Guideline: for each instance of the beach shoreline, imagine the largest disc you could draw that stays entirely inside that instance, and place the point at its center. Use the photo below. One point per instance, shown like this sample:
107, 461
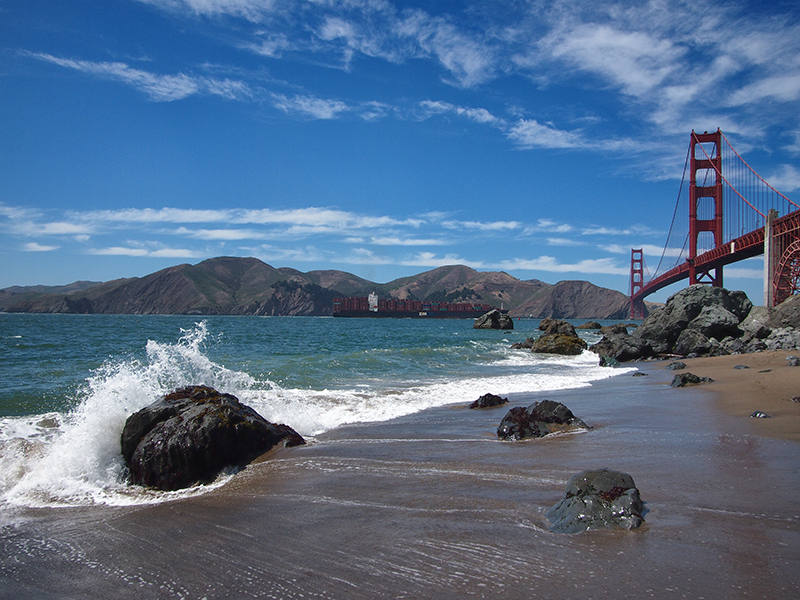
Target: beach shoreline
767, 385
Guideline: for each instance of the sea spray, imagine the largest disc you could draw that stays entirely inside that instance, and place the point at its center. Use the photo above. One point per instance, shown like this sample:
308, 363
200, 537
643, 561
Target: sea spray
81, 462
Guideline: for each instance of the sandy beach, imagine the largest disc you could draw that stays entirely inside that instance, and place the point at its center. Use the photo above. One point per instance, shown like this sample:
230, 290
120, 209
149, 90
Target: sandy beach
767, 385
432, 505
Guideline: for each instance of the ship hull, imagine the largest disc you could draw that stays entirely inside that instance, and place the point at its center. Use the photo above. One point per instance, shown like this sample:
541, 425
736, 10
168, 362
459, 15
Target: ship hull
408, 314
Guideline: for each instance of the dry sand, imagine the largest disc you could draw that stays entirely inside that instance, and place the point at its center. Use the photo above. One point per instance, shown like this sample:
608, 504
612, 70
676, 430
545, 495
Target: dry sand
767, 385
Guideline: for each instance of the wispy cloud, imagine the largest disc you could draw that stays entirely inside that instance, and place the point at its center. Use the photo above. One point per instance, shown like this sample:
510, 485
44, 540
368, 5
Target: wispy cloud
160, 88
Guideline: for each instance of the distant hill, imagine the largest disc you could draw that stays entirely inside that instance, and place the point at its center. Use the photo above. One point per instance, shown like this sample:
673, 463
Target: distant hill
248, 286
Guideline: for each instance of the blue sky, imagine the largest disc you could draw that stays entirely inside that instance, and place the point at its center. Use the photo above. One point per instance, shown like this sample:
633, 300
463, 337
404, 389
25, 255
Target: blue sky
544, 139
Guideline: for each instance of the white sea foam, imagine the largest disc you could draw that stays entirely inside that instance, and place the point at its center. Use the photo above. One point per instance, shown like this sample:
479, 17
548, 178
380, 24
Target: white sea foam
74, 458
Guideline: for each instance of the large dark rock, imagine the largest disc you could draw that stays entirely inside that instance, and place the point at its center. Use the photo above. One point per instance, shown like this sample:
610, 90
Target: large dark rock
557, 343
600, 499
622, 346
494, 319
684, 379
558, 337
192, 434
716, 310
551, 326
538, 420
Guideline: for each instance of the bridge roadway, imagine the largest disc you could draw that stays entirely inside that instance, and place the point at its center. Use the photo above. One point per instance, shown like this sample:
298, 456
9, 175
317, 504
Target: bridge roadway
749, 245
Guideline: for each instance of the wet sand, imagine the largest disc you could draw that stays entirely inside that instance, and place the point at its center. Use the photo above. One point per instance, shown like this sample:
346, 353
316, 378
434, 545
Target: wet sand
434, 506
767, 385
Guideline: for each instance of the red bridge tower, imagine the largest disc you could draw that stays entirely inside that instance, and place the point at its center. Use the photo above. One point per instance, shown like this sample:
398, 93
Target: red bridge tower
705, 197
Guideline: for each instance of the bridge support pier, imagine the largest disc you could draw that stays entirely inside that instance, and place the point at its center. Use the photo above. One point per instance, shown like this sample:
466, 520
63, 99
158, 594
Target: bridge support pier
769, 259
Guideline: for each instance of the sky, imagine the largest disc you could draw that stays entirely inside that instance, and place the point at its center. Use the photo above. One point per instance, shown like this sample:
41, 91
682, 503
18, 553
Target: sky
378, 137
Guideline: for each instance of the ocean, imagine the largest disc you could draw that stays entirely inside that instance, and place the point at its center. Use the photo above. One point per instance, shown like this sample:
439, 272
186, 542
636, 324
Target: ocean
401, 491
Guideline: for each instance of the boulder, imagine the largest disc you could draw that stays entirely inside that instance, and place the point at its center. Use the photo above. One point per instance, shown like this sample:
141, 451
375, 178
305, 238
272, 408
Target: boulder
622, 346
663, 326
617, 329
193, 434
538, 420
494, 319
787, 314
678, 365
692, 343
684, 379
552, 326
590, 325
488, 401
598, 499
757, 323
557, 343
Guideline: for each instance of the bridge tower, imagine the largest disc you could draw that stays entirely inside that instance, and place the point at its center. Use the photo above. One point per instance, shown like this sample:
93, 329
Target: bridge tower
710, 196
637, 282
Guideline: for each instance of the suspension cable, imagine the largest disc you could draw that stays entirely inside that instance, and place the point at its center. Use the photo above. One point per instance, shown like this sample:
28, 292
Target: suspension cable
675, 212
756, 174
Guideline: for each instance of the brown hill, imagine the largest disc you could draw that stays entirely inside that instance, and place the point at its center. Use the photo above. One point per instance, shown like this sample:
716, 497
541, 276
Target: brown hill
575, 300
248, 286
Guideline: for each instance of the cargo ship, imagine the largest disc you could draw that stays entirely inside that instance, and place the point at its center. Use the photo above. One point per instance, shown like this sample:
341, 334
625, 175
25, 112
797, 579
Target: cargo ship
372, 306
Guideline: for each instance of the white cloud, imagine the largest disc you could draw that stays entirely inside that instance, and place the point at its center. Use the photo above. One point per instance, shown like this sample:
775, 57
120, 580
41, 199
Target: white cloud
483, 226
397, 241
143, 252
429, 259
34, 247
602, 266
786, 179
316, 108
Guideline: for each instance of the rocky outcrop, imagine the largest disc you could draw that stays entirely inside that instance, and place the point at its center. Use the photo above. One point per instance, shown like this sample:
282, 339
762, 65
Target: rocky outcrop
494, 319
192, 435
599, 499
701, 320
538, 420
558, 343
489, 401
558, 337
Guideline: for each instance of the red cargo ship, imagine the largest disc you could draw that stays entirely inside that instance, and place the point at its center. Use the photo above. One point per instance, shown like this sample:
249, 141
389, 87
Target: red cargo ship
371, 306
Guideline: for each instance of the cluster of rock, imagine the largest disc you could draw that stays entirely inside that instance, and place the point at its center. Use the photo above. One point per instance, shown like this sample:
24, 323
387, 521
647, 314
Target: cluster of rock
558, 337
193, 434
701, 320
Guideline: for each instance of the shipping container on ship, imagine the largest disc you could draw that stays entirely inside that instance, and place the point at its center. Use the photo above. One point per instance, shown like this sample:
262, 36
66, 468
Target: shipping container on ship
372, 306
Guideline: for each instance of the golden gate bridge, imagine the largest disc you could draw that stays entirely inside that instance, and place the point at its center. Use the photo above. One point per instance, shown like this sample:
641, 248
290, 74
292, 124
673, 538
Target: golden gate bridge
734, 214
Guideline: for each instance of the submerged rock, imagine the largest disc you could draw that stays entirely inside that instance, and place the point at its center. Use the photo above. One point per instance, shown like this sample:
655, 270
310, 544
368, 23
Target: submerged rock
193, 434
494, 319
488, 401
599, 499
538, 420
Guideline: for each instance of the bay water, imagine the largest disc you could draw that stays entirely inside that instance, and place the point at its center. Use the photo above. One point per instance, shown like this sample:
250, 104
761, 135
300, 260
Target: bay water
401, 491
